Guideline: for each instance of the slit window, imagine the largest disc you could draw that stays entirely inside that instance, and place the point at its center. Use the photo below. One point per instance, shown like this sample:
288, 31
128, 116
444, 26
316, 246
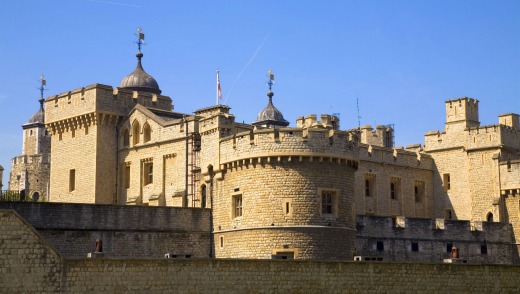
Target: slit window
72, 180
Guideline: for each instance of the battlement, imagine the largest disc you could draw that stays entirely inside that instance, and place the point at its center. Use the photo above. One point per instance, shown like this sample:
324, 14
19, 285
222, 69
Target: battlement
382, 136
34, 159
395, 156
292, 144
436, 229
310, 121
100, 98
475, 137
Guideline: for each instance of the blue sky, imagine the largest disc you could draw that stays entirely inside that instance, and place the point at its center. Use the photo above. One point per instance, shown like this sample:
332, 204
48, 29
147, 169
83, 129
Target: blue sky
401, 59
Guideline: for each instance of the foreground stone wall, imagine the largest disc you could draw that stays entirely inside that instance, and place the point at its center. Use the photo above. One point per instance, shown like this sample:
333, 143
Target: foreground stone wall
426, 240
27, 262
126, 231
30, 265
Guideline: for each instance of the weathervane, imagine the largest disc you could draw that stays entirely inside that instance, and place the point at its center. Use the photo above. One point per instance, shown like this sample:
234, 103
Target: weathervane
43, 83
271, 79
140, 38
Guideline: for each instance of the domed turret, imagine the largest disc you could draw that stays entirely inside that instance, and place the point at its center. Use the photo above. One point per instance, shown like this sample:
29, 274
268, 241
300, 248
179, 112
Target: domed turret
38, 117
139, 80
270, 116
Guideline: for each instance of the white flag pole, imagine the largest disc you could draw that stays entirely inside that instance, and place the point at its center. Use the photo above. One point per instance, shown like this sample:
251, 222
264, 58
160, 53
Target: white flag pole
218, 81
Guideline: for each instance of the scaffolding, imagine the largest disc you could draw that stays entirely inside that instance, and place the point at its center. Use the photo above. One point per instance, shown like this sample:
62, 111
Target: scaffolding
193, 168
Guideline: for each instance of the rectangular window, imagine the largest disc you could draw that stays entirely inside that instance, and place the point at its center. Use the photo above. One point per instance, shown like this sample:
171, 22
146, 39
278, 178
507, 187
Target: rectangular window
221, 242
72, 180
415, 247
418, 191
449, 246
395, 188
370, 185
127, 177
446, 181
380, 246
148, 173
326, 202
329, 201
237, 206
447, 214
483, 249
283, 255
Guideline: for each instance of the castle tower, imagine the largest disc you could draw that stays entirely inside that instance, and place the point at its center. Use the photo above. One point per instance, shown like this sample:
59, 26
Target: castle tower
285, 193
30, 171
509, 119
84, 127
461, 113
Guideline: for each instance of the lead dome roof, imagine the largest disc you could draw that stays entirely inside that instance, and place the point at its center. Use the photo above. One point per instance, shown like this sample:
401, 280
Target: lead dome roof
139, 80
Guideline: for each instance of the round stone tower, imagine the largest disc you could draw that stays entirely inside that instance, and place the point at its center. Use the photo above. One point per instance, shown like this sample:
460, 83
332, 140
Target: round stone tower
286, 193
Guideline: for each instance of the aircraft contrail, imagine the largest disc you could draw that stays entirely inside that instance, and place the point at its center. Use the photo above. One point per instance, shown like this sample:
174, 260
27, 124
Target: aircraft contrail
116, 3
245, 67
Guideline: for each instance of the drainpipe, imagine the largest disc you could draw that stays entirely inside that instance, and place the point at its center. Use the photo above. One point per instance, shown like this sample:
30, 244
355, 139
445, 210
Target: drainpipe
185, 204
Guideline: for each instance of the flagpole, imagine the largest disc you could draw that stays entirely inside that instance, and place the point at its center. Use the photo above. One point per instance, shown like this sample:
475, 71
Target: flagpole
218, 81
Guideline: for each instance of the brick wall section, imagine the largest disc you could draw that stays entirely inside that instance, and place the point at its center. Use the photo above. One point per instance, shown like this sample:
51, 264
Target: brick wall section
433, 237
126, 231
27, 262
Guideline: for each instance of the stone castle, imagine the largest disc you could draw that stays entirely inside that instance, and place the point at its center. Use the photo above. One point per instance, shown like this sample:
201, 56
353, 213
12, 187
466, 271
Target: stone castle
312, 191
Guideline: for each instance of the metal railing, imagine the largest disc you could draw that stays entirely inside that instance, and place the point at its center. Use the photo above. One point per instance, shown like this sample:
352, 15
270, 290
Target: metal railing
16, 196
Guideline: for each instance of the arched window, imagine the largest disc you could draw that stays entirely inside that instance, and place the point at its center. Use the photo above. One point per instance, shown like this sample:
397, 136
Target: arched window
135, 132
203, 196
489, 217
147, 133
126, 138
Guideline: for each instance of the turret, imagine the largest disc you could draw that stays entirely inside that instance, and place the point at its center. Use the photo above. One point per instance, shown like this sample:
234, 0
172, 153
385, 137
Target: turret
462, 112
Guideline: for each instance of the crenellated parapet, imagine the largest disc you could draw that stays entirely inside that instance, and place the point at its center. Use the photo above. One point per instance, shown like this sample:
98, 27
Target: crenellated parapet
397, 156
77, 107
479, 137
382, 136
30, 159
311, 121
291, 145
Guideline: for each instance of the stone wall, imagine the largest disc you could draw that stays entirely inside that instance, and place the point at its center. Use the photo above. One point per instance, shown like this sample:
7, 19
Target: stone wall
478, 242
402, 170
29, 265
30, 172
126, 231
27, 262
